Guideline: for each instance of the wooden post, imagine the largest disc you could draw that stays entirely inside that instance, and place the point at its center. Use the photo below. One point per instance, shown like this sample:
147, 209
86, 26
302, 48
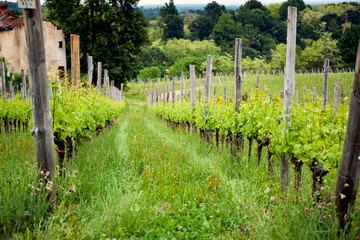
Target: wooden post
75, 60
257, 81
3, 83
23, 89
325, 81
122, 93
306, 93
181, 89
90, 69
173, 91
314, 94
225, 96
11, 87
105, 81
238, 79
289, 85
99, 73
349, 169
43, 130
193, 92
168, 90
336, 97
208, 81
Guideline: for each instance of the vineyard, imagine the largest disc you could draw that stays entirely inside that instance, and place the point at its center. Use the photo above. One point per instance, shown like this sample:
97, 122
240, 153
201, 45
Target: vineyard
218, 155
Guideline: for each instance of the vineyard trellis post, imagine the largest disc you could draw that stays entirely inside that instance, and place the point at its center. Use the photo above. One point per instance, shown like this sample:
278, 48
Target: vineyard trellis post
23, 88
43, 130
289, 85
75, 60
349, 168
105, 81
99, 72
326, 81
173, 91
3, 83
238, 79
193, 92
208, 82
90, 69
181, 89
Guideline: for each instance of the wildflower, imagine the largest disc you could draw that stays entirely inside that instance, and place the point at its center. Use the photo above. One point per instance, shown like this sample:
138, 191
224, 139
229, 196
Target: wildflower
272, 198
346, 185
25, 213
306, 209
320, 207
324, 217
235, 226
265, 210
342, 196
357, 238
323, 203
219, 186
211, 216
19, 221
328, 200
242, 228
267, 190
166, 203
311, 209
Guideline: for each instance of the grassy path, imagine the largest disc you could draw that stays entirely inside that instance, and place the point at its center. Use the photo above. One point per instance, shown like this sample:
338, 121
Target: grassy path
143, 179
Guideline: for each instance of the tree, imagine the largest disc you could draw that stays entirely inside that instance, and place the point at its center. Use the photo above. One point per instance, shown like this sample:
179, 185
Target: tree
150, 72
172, 23
225, 32
348, 45
202, 27
113, 32
283, 10
324, 48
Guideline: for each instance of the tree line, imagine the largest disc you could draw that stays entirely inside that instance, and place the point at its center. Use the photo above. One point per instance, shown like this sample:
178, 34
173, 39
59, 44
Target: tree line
323, 31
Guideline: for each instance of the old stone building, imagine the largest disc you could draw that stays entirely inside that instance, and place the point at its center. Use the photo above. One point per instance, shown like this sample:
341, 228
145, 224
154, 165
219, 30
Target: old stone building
13, 43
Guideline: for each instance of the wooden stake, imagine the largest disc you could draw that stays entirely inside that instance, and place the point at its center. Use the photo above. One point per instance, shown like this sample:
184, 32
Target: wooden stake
3, 83
23, 88
193, 92
325, 81
75, 60
349, 169
289, 85
173, 91
208, 81
181, 89
90, 69
99, 73
42, 131
336, 97
238, 79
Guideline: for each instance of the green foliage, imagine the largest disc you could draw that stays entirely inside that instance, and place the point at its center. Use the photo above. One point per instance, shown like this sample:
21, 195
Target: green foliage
283, 10
202, 27
118, 27
172, 23
184, 48
325, 48
348, 45
150, 72
225, 32
182, 65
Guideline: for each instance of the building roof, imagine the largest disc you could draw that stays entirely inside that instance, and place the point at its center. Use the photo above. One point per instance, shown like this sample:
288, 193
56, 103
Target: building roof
9, 21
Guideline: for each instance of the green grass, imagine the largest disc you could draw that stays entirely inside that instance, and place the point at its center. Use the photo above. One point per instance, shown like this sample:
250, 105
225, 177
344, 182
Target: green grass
145, 180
